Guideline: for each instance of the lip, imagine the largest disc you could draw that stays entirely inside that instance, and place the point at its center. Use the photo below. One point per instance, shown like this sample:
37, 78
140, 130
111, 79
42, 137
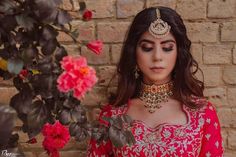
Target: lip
156, 69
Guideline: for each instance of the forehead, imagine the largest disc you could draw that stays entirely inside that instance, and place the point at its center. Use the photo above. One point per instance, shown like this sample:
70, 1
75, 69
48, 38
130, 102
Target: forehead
148, 36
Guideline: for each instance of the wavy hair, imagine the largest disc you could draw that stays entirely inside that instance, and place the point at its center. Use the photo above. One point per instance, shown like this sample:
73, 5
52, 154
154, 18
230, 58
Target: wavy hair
186, 85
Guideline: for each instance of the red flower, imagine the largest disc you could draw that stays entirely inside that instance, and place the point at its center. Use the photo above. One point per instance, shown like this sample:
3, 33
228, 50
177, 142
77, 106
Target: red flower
56, 137
23, 74
96, 46
87, 15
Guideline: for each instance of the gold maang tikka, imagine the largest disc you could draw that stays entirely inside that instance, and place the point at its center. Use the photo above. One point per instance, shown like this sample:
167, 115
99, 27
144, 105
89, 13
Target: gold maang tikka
154, 95
159, 28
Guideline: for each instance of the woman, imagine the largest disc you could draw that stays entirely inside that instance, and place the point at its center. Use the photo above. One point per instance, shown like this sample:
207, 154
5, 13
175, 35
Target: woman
158, 90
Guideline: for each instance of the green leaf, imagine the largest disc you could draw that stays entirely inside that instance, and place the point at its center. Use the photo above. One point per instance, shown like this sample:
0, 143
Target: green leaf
25, 21
130, 137
126, 118
119, 132
21, 103
37, 117
117, 138
18, 83
7, 118
60, 52
13, 143
63, 17
49, 32
8, 23
12, 39
108, 119
15, 65
118, 122
49, 47
75, 33
65, 117
46, 10
45, 68
21, 37
81, 134
73, 128
79, 115
68, 104
7, 6
29, 54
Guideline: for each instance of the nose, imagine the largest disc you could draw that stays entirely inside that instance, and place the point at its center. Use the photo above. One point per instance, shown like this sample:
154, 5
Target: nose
157, 54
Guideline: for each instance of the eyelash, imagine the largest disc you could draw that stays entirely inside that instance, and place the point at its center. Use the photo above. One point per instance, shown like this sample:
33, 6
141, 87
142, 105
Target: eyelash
167, 49
146, 49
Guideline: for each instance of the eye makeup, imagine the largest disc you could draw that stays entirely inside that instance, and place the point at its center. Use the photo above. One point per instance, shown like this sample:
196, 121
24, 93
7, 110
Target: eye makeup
146, 49
147, 45
167, 49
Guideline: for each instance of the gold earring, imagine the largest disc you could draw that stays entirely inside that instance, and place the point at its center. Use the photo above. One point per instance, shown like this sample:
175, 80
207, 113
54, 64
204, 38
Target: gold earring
136, 72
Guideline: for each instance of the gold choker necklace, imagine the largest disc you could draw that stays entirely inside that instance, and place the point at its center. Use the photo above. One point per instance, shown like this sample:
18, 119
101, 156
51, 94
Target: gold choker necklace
153, 95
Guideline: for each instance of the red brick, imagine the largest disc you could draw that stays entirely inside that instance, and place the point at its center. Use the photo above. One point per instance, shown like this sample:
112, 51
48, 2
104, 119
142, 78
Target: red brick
112, 31
6, 94
126, 8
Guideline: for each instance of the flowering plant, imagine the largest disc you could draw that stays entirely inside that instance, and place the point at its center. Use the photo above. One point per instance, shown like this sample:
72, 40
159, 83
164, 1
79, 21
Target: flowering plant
50, 83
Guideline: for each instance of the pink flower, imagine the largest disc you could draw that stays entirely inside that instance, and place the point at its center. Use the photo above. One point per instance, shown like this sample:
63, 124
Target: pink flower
77, 77
68, 62
65, 82
95, 46
56, 137
87, 15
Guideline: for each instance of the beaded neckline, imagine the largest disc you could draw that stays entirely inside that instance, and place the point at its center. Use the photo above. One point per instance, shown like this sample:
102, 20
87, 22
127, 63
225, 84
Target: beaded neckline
138, 122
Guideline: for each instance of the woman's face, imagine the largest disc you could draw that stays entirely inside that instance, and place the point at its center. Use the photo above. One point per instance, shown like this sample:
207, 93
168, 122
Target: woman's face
156, 58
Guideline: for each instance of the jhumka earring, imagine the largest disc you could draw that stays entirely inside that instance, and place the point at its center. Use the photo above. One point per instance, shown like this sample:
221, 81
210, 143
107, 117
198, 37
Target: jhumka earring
159, 28
136, 72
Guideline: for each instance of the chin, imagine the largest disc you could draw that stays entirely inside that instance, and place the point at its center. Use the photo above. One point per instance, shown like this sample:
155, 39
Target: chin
158, 80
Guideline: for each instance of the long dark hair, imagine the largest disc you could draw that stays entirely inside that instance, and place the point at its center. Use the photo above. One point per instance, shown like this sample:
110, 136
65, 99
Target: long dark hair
186, 85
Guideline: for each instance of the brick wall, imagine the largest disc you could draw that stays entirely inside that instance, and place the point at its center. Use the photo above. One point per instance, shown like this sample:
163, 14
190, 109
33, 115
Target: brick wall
211, 27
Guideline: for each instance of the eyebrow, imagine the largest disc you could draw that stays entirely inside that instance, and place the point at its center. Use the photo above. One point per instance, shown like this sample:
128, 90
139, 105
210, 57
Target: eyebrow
152, 42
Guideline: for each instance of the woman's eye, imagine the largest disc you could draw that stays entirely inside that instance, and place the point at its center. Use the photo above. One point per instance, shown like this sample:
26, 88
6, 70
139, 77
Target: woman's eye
146, 49
167, 49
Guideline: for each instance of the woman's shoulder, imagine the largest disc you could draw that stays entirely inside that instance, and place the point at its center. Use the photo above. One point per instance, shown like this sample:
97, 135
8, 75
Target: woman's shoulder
209, 114
206, 109
204, 104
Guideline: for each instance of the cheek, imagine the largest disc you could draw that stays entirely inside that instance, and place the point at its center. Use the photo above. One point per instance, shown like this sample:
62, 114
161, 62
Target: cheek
142, 59
172, 59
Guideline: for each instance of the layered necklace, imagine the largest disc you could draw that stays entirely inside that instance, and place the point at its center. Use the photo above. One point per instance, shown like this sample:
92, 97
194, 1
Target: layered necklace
153, 95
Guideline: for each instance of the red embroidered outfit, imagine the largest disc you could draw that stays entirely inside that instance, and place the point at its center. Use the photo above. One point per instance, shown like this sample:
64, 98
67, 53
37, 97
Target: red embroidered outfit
199, 137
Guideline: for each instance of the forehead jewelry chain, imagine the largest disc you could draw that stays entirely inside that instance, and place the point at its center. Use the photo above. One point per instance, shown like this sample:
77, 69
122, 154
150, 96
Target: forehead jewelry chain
153, 95
159, 28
